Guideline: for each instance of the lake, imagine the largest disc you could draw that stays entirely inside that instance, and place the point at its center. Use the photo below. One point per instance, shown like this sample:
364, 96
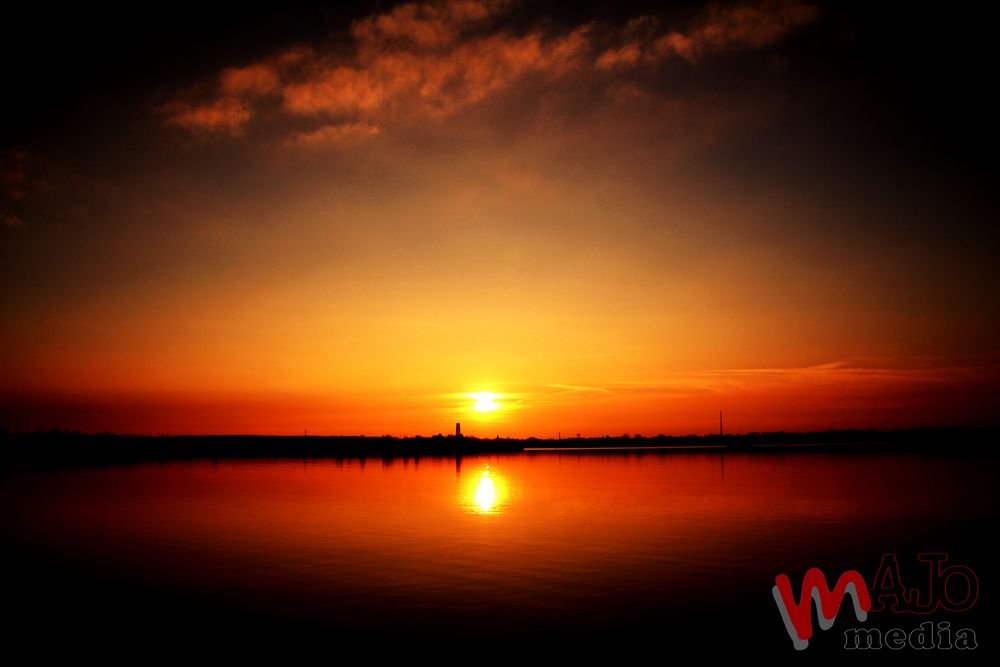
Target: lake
584, 551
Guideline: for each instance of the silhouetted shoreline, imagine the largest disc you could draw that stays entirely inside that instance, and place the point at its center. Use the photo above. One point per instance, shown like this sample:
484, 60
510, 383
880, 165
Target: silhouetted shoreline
65, 448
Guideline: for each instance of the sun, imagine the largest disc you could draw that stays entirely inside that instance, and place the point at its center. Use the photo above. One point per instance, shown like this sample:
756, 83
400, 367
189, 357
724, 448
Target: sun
485, 401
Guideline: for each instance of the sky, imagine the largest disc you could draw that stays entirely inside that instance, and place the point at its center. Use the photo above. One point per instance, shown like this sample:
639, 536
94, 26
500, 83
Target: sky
618, 217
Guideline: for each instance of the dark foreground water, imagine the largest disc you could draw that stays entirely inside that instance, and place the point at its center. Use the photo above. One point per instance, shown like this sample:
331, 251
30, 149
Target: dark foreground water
567, 554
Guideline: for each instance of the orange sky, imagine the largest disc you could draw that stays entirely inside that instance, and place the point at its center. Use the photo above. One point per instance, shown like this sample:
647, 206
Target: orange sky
617, 225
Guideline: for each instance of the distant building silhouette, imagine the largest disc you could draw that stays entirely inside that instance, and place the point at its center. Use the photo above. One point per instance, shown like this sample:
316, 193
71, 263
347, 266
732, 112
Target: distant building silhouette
458, 429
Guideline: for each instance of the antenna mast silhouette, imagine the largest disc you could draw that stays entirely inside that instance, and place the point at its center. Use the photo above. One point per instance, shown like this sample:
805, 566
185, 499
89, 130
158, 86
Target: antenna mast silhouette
720, 423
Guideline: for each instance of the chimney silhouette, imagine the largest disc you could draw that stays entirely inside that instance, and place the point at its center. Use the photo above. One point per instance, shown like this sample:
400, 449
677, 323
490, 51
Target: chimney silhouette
458, 429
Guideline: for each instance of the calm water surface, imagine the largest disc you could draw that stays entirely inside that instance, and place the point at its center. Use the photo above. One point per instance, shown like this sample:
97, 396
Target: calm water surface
535, 547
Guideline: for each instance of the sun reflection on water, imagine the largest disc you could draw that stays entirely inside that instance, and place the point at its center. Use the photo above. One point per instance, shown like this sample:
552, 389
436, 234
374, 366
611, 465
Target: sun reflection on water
485, 493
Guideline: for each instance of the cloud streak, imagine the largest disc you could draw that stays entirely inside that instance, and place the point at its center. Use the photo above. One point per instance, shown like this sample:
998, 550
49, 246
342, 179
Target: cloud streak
846, 373
334, 135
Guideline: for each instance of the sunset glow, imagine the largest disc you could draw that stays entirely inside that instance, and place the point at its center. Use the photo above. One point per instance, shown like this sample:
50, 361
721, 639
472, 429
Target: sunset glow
499, 329
618, 223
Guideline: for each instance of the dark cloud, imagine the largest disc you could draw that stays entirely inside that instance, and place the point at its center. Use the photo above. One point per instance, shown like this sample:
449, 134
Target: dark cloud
22, 179
9, 220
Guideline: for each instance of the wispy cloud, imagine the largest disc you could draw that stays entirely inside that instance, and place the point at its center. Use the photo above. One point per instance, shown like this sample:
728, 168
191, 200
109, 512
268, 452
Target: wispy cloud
224, 115
576, 388
434, 59
424, 25
334, 135
850, 372
739, 27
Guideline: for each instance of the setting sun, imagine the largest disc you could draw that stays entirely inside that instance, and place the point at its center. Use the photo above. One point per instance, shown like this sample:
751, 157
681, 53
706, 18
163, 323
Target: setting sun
485, 401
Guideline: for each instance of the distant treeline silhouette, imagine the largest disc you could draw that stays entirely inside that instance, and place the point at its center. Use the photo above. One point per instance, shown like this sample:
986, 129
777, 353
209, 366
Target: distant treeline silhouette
68, 448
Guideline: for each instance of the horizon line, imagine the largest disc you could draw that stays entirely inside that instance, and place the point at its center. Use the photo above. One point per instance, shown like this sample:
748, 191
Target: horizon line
623, 436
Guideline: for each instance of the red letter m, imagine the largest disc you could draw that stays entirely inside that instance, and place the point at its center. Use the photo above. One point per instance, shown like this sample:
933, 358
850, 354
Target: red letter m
798, 616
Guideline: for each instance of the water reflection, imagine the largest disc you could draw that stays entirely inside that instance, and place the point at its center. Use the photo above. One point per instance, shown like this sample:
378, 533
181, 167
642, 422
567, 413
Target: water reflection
486, 494
571, 547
